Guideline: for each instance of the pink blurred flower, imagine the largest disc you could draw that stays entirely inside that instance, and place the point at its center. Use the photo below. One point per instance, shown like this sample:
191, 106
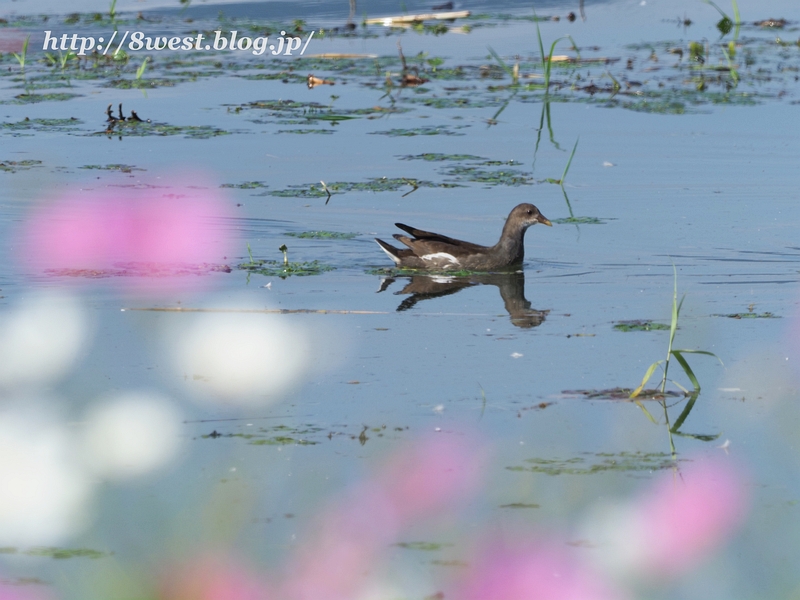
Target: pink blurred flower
213, 578
430, 475
352, 535
157, 233
678, 520
8, 592
541, 572
685, 516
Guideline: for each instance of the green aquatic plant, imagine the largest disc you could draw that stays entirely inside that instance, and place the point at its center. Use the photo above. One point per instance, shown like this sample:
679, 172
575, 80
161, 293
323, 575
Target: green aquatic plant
547, 60
513, 73
140, 71
61, 60
566, 168
725, 24
678, 355
731, 66
22, 55
674, 428
284, 269
640, 326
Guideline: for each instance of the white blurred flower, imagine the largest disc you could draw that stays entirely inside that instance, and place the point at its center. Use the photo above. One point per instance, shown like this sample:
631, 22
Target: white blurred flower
131, 434
44, 494
249, 358
40, 339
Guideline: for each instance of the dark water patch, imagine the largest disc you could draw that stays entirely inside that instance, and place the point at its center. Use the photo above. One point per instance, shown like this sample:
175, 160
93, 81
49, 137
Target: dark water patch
146, 128
291, 112
460, 564
247, 185
438, 157
620, 393
279, 435
464, 173
580, 221
140, 270
637, 325
58, 553
749, 315
62, 125
281, 75
44, 85
426, 130
141, 84
113, 167
452, 102
302, 435
423, 546
378, 184
472, 173
12, 166
307, 131
322, 235
624, 462
37, 98
274, 268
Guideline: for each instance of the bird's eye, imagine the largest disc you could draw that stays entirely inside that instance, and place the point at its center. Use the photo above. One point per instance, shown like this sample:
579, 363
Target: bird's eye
530, 212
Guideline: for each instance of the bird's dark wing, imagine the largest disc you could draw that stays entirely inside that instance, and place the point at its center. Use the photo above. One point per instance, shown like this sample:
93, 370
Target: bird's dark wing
438, 239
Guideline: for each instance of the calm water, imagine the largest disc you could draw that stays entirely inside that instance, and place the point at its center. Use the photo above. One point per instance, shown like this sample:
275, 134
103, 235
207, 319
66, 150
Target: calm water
691, 173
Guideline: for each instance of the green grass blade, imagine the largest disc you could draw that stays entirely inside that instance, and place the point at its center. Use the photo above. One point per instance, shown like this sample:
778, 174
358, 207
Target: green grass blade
646, 412
569, 162
574, 46
140, 71
698, 436
549, 65
501, 62
569, 205
680, 387
686, 369
731, 67
645, 379
722, 12
685, 412
541, 47
706, 352
539, 133
737, 18
617, 87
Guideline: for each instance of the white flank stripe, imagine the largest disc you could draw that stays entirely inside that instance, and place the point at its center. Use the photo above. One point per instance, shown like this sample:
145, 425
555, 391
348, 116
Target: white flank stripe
439, 257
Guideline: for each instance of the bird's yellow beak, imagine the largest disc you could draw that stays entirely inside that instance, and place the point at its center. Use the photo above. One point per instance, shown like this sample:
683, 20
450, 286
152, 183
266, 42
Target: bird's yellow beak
544, 221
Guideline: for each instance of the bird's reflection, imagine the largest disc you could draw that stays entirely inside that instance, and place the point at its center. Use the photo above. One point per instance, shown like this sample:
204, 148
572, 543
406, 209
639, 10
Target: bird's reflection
511, 286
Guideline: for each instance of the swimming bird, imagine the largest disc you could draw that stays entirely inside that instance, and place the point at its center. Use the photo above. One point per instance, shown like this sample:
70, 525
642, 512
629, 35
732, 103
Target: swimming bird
433, 251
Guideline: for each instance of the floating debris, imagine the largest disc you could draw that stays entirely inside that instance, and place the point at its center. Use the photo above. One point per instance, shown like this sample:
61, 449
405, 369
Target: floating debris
315, 81
442, 16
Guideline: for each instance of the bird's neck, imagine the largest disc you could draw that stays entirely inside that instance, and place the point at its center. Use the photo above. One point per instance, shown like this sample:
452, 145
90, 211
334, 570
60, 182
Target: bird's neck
512, 242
